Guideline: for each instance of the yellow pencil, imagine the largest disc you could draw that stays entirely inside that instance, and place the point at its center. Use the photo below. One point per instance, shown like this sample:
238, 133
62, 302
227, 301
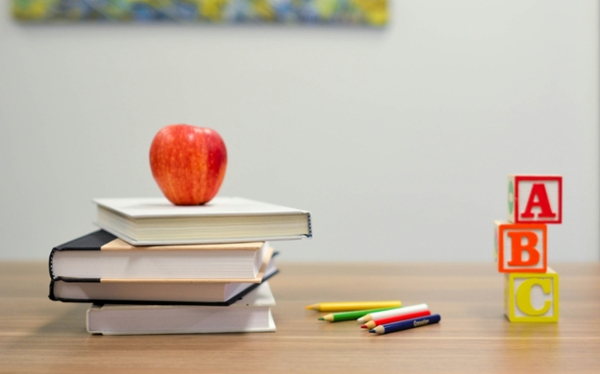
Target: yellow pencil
354, 305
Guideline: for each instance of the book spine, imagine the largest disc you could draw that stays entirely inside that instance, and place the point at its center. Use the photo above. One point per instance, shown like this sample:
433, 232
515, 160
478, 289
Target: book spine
89, 242
50, 263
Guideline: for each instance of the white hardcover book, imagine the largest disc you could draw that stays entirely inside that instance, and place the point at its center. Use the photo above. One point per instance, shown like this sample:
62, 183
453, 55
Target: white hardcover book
250, 314
156, 221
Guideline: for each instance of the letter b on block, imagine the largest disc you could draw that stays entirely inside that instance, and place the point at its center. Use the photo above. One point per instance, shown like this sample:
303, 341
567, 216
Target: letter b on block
521, 248
532, 297
535, 198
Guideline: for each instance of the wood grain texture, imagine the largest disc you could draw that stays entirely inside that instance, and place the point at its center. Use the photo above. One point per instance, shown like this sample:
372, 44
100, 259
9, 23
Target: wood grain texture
40, 336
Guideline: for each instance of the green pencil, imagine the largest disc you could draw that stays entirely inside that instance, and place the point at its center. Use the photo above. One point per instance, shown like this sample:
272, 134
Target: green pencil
347, 316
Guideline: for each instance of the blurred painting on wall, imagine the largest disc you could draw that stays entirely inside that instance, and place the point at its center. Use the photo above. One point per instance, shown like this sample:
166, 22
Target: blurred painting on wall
346, 12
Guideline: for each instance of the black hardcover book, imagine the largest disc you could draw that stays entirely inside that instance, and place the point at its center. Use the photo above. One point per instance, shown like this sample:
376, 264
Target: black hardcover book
100, 255
72, 290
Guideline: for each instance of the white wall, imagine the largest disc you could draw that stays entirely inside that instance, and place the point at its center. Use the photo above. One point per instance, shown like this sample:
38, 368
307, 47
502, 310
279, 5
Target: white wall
399, 140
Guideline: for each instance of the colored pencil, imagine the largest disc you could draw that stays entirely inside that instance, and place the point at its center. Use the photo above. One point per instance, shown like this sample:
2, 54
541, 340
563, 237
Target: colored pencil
382, 321
393, 312
347, 306
405, 325
347, 316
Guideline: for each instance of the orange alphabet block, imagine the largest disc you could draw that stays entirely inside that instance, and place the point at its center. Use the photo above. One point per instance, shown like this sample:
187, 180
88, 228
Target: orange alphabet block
521, 248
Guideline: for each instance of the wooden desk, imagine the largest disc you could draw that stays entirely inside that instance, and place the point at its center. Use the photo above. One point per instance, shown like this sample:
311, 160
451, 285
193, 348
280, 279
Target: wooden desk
37, 335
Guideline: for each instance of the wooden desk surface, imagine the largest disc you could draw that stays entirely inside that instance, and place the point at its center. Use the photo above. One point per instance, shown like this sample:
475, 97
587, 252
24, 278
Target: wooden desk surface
40, 336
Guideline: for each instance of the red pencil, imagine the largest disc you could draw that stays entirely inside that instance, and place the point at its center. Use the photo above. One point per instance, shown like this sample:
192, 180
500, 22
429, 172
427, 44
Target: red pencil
371, 324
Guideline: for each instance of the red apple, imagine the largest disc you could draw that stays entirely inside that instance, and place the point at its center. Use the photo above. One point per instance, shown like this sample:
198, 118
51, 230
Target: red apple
188, 163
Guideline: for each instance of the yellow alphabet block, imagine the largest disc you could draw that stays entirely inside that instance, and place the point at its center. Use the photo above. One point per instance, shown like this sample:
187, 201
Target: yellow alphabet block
531, 297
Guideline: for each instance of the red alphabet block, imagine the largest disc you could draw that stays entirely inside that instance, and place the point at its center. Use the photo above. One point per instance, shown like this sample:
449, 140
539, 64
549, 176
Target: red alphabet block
522, 248
535, 198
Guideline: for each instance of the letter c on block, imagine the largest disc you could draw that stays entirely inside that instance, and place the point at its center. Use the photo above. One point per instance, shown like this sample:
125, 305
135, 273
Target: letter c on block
524, 296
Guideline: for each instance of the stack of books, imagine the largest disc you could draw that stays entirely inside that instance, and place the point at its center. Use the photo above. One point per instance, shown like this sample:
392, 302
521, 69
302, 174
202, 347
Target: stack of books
157, 268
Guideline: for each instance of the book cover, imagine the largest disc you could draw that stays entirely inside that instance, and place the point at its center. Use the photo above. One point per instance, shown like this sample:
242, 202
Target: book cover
155, 221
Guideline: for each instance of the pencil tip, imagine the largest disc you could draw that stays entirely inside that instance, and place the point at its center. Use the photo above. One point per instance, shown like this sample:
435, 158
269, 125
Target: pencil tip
363, 326
321, 319
372, 331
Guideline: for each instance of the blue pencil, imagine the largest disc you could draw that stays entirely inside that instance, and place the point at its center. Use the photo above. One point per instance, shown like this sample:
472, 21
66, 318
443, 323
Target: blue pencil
405, 325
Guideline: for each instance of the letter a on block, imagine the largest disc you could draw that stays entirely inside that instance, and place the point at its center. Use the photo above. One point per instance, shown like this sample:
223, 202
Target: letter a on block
532, 297
538, 198
522, 248
535, 198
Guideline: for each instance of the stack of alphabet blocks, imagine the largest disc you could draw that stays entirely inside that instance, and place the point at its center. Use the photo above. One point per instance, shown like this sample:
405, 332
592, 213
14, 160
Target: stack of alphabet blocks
531, 292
